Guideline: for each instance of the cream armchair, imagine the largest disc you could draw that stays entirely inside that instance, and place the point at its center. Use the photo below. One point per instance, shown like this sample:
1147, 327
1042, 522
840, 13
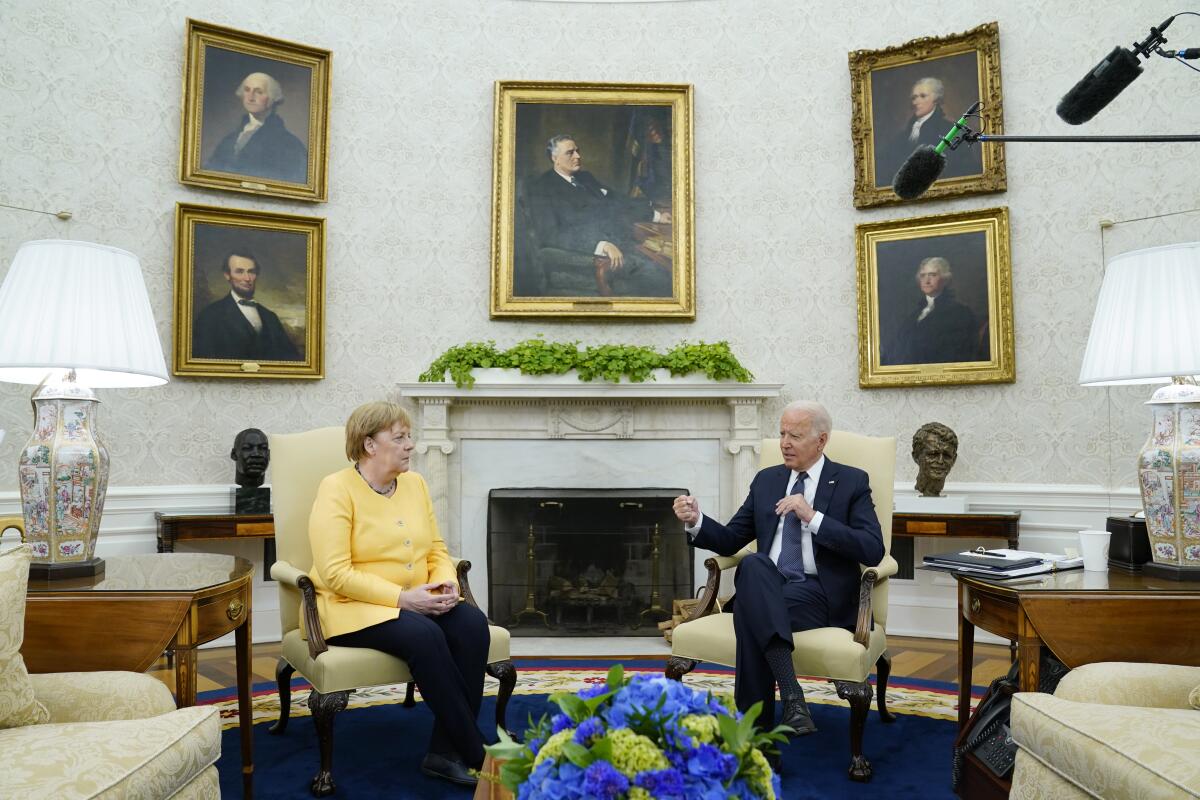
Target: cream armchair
1112, 730
831, 653
298, 463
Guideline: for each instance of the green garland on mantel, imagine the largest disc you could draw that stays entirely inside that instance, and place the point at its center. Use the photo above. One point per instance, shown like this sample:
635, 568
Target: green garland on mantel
609, 362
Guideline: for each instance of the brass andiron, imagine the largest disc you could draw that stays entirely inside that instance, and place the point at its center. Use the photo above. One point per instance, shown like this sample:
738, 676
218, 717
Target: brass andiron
655, 595
530, 608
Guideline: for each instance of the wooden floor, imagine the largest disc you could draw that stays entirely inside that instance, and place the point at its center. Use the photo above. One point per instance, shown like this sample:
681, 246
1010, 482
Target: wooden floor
928, 659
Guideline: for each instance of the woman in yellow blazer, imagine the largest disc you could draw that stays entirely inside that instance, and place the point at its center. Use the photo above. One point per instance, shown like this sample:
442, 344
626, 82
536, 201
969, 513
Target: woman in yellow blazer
385, 580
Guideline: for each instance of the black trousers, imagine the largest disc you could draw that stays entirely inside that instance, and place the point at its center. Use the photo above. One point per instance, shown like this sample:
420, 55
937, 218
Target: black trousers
767, 608
447, 655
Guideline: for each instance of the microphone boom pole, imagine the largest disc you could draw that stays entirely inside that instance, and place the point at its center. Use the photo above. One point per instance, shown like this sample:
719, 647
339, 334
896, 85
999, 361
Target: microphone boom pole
971, 136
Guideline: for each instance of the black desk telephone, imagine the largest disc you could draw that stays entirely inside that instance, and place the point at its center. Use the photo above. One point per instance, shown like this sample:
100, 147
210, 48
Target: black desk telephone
987, 734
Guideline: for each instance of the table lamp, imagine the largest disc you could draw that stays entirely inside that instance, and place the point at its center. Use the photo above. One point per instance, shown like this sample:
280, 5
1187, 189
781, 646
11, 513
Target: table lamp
1147, 330
73, 316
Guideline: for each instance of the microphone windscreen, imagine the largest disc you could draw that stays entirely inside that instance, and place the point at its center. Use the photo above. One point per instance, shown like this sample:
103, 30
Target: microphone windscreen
919, 172
1098, 88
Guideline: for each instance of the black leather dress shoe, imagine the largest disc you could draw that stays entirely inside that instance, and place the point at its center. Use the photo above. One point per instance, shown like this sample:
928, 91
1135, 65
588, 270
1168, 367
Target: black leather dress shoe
449, 769
796, 716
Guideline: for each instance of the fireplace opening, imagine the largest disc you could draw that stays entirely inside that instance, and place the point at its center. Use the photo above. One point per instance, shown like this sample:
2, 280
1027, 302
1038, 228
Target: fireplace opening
585, 562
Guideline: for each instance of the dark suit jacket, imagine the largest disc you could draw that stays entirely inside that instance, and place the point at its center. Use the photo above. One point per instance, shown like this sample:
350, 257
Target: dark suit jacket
579, 218
949, 333
272, 152
849, 533
222, 331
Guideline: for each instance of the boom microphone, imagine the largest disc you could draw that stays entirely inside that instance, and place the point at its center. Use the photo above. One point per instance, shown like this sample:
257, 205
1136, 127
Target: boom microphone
926, 163
1108, 79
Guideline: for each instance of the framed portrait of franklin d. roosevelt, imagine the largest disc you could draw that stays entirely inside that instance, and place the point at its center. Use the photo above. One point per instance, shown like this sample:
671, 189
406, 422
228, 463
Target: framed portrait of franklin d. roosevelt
910, 95
592, 204
249, 294
935, 300
255, 114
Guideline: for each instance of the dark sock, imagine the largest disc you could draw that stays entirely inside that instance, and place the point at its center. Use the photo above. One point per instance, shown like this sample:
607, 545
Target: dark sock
779, 657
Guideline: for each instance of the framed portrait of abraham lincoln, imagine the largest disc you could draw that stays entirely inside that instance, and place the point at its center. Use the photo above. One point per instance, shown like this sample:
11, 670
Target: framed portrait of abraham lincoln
592, 204
935, 300
249, 294
910, 95
255, 114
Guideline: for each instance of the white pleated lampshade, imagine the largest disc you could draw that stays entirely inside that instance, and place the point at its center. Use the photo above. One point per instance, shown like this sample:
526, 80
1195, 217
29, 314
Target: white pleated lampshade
81, 306
1147, 323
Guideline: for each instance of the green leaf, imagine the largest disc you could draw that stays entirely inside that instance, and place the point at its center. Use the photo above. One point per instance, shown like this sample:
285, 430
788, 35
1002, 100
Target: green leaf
512, 775
571, 705
602, 749
578, 755
616, 677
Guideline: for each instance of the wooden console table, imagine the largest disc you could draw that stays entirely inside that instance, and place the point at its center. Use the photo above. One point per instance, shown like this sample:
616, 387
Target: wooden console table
1003, 525
140, 606
174, 528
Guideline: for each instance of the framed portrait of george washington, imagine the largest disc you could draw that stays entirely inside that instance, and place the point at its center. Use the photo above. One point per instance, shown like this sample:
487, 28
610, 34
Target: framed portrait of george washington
592, 204
911, 95
935, 300
255, 114
249, 294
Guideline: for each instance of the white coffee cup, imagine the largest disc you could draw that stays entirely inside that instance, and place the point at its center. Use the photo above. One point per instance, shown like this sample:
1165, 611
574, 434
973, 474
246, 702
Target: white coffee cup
1094, 545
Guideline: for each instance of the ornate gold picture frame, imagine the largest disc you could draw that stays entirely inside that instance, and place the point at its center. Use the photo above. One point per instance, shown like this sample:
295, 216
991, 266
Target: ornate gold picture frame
935, 300
249, 294
592, 203
255, 114
911, 94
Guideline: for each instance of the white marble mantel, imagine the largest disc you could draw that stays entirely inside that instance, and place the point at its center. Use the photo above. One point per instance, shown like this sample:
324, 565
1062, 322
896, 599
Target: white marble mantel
561, 432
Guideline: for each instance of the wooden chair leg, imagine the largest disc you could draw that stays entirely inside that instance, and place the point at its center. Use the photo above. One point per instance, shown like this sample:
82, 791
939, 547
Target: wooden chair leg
409, 699
506, 673
283, 679
883, 671
324, 707
678, 667
859, 696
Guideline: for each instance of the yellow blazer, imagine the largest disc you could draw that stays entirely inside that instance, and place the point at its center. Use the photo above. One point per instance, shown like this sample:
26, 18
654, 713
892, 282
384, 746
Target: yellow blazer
368, 548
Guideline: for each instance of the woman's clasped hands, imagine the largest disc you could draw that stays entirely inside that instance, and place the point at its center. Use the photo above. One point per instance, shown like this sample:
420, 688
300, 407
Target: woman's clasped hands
430, 599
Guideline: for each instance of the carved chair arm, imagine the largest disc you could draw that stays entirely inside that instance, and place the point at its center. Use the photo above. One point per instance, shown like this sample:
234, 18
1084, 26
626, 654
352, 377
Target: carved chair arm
462, 567
862, 626
286, 574
715, 566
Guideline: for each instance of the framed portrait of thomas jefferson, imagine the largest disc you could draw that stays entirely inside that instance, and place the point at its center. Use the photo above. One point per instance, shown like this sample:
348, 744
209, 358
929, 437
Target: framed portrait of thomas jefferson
911, 95
935, 300
249, 294
255, 114
592, 204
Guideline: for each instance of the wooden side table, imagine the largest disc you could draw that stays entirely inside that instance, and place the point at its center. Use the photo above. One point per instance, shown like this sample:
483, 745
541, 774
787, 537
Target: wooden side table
1003, 525
142, 605
174, 528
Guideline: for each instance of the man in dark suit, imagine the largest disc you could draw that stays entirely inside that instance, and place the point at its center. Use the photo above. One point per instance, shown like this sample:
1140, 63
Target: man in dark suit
814, 523
572, 210
939, 330
927, 125
261, 145
237, 326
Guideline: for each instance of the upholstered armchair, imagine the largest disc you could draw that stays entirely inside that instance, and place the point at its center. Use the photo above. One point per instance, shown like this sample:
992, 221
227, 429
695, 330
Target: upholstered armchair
835, 654
1114, 730
298, 463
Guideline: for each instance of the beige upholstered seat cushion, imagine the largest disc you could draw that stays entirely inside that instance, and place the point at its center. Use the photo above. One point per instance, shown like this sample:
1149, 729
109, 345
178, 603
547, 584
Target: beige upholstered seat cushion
154, 757
345, 668
1110, 751
98, 696
826, 652
1194, 698
1121, 683
18, 705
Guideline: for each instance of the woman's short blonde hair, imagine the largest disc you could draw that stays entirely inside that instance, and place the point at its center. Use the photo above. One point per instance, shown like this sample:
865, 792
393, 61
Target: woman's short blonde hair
368, 420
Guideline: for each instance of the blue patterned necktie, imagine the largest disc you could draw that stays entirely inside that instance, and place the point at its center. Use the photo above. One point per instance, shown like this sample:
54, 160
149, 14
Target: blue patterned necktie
791, 554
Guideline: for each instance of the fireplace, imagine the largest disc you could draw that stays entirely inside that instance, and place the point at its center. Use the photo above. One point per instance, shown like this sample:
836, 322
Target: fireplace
585, 562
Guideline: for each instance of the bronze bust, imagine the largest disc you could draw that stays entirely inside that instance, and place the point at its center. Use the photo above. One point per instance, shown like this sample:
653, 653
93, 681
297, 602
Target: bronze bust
935, 449
252, 454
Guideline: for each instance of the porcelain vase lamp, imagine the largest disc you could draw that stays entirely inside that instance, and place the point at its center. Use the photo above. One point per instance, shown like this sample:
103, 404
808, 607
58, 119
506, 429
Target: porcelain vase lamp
100, 334
1147, 330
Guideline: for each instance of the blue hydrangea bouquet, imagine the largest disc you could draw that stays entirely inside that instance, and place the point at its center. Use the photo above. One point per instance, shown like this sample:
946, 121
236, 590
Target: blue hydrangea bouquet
641, 738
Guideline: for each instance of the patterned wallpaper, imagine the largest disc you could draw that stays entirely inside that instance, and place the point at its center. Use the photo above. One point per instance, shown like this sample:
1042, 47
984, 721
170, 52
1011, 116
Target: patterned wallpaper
89, 121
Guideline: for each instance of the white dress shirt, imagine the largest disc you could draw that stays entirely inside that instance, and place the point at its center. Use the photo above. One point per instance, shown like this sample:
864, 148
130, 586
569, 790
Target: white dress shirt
807, 530
249, 312
915, 133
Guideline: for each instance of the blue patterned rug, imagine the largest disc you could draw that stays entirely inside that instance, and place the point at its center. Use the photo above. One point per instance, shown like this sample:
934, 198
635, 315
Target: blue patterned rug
378, 745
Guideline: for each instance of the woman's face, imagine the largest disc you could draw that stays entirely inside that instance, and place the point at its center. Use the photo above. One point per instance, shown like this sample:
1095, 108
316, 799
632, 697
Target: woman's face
391, 448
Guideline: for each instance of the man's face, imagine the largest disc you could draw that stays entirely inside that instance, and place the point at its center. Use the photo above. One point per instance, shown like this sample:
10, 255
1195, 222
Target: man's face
799, 446
936, 457
922, 99
566, 158
256, 99
931, 280
253, 454
242, 273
